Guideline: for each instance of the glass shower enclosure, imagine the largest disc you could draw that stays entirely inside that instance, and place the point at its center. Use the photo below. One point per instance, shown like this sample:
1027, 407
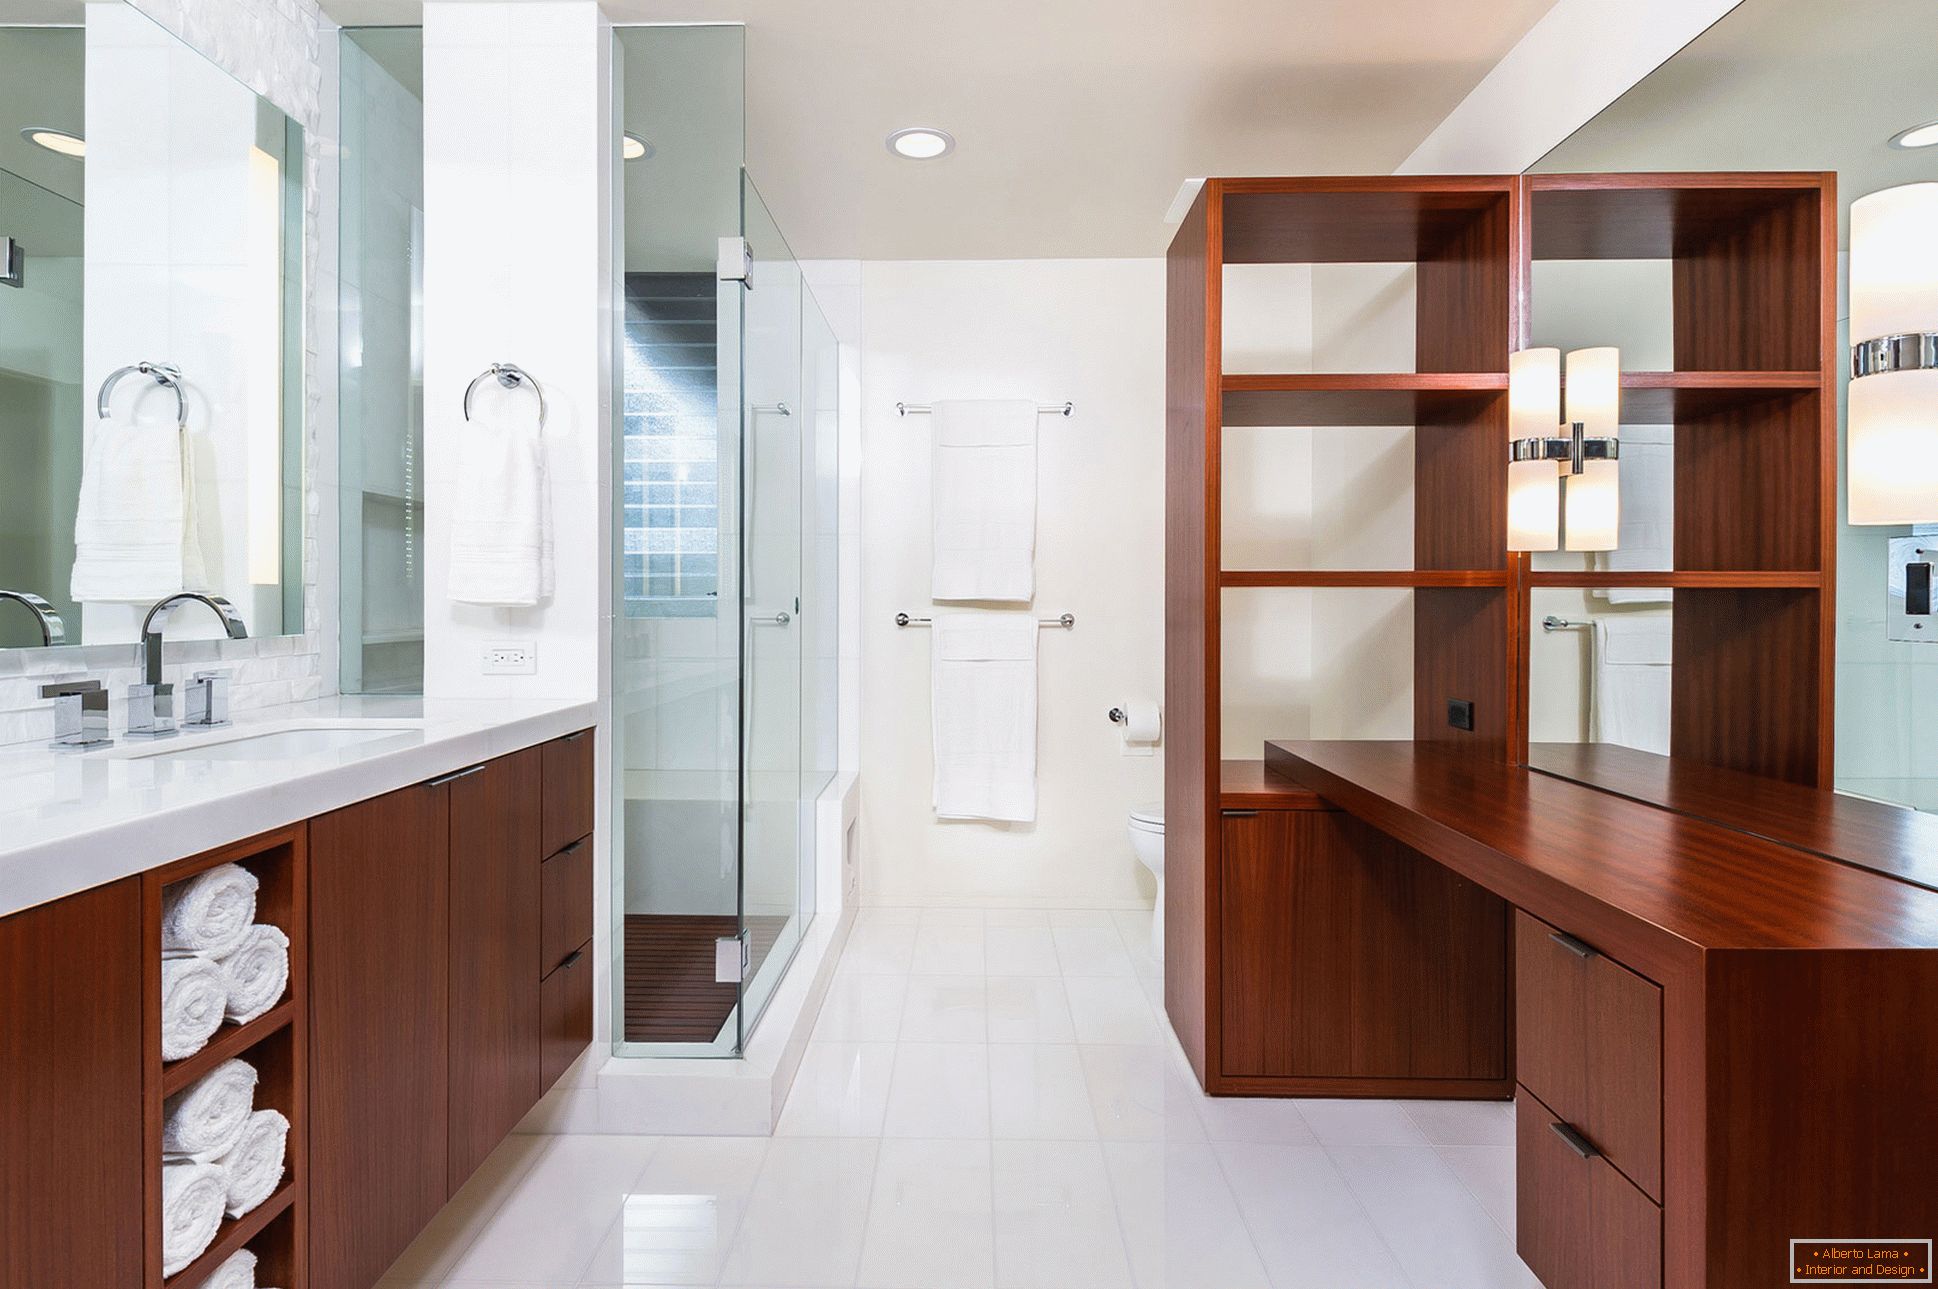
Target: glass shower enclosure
724, 621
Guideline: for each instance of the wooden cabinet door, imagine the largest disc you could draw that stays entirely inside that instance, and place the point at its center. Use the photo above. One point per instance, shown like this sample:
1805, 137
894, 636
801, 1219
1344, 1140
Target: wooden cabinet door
568, 809
379, 1030
1579, 1224
71, 1061
495, 907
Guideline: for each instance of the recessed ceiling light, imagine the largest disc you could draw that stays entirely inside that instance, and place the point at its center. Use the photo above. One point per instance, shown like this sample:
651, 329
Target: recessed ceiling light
921, 143
46, 136
1918, 136
634, 148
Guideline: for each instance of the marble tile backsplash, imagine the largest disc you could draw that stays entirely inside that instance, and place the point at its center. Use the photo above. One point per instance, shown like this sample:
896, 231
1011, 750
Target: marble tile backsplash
272, 46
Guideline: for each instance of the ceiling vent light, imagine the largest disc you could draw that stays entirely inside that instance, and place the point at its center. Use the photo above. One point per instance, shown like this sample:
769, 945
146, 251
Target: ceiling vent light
1918, 136
634, 148
46, 136
921, 143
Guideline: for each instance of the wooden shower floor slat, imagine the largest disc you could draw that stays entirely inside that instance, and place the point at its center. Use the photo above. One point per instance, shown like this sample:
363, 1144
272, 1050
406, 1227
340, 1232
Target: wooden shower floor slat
671, 995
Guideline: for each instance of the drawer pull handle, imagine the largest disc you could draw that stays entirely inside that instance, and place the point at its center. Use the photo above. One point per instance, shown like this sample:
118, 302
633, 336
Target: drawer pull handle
1580, 948
572, 960
575, 736
1238, 814
1575, 1141
442, 779
567, 850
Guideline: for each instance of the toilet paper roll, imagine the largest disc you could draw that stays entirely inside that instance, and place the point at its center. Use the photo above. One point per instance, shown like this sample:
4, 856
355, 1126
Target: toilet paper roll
1140, 721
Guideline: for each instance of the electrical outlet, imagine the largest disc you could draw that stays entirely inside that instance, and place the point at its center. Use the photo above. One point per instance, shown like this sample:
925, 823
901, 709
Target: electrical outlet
511, 658
1460, 713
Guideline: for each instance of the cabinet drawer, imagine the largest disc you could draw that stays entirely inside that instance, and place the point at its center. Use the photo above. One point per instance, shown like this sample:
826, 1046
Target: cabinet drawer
565, 904
1579, 1224
566, 812
565, 1005
1589, 1045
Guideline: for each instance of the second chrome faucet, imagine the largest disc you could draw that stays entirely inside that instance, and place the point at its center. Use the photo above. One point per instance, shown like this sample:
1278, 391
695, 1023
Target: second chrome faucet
151, 703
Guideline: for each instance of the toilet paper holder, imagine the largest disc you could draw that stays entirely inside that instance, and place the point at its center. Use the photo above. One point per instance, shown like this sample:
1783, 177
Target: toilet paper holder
1118, 717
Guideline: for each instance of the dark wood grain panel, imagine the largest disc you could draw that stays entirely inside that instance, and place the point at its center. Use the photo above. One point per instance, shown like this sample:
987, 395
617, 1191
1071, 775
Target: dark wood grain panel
1744, 691
566, 1008
1460, 489
1654, 216
1579, 1224
1361, 577
1673, 397
569, 792
495, 853
1748, 291
1461, 652
72, 1063
1725, 578
1380, 399
565, 904
379, 1030
1464, 292
1895, 841
1194, 273
1353, 220
1249, 785
1748, 486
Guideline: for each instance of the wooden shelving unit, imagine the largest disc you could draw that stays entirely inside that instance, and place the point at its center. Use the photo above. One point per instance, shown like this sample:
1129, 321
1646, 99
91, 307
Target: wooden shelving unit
275, 1043
1751, 395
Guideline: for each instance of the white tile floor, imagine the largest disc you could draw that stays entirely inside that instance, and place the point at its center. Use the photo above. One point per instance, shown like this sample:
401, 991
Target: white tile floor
990, 1101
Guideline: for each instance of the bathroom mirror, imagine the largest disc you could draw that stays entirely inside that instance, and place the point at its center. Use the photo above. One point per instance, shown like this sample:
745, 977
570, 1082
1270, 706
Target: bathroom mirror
1775, 85
151, 332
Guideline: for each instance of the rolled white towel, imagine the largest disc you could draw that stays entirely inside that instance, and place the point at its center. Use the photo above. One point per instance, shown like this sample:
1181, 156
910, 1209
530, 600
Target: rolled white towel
206, 1118
193, 1196
255, 1165
258, 969
209, 912
195, 990
238, 1272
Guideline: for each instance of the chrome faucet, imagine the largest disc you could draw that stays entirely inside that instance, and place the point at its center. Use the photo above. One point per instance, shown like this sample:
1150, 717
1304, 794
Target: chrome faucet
52, 630
151, 704
80, 714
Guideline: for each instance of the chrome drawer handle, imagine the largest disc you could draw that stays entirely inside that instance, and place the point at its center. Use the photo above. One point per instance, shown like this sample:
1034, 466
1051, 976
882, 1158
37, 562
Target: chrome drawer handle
1239, 814
570, 960
454, 775
1575, 1141
1580, 948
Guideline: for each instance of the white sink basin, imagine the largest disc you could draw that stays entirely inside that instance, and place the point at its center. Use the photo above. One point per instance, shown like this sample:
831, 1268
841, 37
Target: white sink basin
286, 741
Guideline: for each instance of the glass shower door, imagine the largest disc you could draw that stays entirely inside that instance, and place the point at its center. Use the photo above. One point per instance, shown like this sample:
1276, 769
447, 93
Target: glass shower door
775, 836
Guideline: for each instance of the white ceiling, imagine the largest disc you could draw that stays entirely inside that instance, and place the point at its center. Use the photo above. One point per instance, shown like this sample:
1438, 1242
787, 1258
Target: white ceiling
1076, 119
1780, 85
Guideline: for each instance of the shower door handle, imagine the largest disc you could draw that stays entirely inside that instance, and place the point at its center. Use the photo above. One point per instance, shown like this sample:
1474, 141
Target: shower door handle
780, 619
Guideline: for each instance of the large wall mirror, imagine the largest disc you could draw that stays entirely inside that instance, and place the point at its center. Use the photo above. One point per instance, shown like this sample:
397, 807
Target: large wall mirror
151, 332
1775, 85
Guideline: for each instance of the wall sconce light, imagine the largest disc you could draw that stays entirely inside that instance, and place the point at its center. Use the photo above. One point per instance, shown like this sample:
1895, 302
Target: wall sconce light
1893, 430
1541, 514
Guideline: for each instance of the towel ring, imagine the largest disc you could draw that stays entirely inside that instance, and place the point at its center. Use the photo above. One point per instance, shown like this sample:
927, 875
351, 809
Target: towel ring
511, 376
167, 374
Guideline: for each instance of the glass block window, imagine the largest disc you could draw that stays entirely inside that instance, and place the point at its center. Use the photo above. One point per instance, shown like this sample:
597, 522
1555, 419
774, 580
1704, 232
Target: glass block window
672, 446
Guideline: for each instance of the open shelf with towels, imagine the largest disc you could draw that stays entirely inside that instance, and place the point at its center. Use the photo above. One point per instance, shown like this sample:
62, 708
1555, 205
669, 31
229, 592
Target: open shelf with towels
274, 1043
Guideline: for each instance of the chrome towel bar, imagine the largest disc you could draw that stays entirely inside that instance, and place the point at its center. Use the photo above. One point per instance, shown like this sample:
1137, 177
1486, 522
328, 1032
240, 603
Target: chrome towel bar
511, 376
1552, 623
1066, 622
1042, 409
166, 374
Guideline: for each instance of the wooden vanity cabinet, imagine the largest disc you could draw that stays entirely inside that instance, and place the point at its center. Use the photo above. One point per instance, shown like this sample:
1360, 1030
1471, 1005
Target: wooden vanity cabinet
71, 1064
380, 1030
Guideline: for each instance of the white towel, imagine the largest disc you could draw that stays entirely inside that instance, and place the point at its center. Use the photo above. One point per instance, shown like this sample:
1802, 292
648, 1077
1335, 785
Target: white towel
1646, 532
982, 499
193, 1200
254, 1168
983, 700
195, 990
205, 1119
258, 969
1630, 705
211, 911
238, 1271
136, 535
501, 516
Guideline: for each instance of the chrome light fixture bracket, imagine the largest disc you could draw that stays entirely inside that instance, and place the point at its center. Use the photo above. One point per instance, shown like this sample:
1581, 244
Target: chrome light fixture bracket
1576, 450
1908, 351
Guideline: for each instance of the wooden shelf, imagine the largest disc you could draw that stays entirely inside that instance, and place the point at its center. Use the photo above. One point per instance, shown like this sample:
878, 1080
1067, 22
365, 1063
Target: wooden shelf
1655, 216
1250, 785
1725, 578
1401, 577
1663, 397
1383, 398
230, 1040
1356, 220
233, 1234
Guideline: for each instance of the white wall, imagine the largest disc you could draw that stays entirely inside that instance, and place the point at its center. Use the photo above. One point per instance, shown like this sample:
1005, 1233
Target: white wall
518, 268
1090, 331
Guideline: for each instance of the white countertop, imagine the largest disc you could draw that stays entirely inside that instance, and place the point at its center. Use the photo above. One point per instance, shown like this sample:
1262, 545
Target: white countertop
73, 820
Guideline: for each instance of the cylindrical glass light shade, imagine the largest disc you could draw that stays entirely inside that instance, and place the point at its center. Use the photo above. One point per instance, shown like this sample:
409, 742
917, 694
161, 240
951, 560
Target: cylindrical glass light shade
1534, 393
1594, 505
1533, 506
1894, 262
1595, 393
1894, 448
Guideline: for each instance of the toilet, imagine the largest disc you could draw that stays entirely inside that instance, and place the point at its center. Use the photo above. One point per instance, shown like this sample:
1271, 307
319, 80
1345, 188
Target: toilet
1147, 842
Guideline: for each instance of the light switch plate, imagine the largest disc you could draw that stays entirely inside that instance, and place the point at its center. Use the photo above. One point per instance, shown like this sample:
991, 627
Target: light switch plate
511, 658
1898, 625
